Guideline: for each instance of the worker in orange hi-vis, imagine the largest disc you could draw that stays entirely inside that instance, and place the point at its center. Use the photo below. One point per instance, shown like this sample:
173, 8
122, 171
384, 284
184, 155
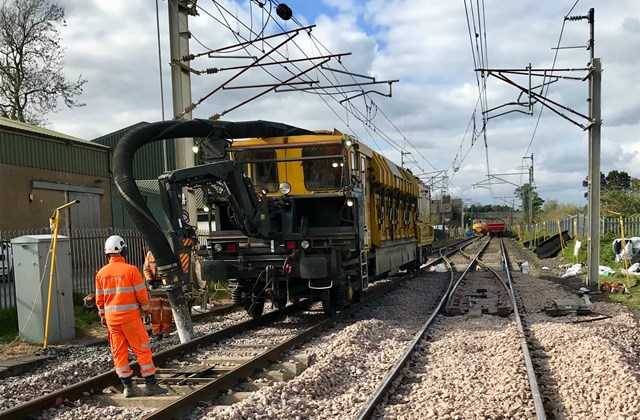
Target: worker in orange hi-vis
160, 306
120, 294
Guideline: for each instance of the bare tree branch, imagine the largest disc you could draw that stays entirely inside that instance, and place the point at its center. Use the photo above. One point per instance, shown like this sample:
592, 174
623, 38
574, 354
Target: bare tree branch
32, 61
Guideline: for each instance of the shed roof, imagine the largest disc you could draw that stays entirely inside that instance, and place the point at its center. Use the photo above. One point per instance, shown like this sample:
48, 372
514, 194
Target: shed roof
29, 128
116, 135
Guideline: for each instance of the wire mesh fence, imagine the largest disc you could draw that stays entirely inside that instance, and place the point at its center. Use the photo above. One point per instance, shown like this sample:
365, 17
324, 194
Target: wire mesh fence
87, 257
87, 252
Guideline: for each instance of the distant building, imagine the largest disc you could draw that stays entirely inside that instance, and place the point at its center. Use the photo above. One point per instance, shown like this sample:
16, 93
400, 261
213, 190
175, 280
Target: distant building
41, 169
446, 210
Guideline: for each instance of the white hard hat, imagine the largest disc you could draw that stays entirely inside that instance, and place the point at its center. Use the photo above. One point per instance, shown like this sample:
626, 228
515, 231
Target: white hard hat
114, 245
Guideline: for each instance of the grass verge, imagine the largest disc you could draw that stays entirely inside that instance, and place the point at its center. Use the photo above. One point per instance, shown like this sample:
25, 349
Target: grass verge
8, 324
607, 258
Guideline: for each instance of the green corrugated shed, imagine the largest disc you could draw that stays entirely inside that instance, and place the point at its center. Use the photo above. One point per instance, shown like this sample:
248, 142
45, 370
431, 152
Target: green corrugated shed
151, 196
29, 146
148, 164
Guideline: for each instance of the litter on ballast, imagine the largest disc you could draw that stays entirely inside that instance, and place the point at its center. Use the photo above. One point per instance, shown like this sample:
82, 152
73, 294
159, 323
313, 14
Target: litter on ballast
572, 271
633, 269
605, 270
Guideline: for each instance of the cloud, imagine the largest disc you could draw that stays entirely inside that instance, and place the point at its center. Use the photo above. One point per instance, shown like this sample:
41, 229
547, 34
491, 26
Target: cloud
427, 46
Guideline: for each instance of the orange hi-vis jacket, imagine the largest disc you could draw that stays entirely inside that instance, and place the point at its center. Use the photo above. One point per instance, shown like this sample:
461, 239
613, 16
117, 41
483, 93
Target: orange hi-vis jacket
150, 267
120, 292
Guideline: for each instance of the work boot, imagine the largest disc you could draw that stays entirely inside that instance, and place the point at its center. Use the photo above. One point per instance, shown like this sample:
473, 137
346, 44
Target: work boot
156, 338
128, 387
152, 387
165, 335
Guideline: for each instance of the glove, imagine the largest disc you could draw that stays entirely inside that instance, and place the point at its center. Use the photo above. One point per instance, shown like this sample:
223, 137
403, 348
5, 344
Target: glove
103, 321
147, 318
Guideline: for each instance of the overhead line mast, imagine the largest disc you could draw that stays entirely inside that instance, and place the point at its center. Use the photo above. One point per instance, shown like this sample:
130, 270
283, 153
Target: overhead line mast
593, 124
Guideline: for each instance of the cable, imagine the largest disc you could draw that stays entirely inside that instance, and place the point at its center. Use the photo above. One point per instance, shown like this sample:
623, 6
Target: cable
545, 77
366, 120
555, 57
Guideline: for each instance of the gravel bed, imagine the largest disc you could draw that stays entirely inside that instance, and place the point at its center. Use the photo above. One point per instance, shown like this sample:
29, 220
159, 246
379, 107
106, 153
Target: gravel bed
347, 363
586, 370
467, 368
589, 370
72, 364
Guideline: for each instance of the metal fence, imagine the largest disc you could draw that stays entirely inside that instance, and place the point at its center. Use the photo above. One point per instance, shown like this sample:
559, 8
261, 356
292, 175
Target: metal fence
87, 257
631, 226
578, 227
87, 252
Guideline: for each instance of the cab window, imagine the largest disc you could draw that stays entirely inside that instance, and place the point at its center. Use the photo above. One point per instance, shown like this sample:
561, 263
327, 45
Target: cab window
325, 171
261, 167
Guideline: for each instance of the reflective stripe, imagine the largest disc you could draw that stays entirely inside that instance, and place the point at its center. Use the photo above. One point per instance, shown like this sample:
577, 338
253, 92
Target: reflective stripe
118, 290
167, 308
166, 267
101, 311
139, 286
125, 375
99, 292
155, 299
145, 367
144, 308
121, 368
121, 307
145, 345
145, 374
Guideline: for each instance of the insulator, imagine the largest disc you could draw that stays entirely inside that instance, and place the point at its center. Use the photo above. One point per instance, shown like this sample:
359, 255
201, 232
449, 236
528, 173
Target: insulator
284, 11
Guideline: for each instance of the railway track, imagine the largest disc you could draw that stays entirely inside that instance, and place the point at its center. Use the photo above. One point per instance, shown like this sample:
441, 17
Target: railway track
461, 368
198, 377
234, 369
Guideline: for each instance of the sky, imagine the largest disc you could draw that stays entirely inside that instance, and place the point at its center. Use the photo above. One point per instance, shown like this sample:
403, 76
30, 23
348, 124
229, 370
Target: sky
434, 108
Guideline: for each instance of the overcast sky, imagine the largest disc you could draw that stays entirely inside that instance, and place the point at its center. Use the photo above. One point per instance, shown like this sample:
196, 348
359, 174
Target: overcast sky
426, 45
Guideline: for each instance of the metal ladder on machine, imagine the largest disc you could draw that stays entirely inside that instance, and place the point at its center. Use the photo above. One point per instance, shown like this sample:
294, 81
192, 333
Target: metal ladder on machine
364, 269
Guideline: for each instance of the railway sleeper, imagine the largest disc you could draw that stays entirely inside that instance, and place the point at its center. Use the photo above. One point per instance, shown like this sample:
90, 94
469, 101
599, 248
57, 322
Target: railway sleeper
277, 372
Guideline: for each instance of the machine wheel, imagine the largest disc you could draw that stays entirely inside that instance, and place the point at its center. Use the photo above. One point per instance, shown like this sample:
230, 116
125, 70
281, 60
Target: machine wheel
280, 303
256, 308
304, 304
328, 303
334, 299
357, 295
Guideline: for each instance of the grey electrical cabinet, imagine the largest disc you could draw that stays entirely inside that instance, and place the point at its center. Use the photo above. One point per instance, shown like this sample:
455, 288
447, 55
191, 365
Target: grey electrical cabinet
32, 268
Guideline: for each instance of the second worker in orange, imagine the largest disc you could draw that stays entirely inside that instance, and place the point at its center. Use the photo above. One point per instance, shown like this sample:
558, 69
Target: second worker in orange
161, 315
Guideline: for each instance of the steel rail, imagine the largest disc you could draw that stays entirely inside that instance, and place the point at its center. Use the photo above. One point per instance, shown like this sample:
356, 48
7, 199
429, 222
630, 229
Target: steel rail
474, 260
531, 374
107, 379
367, 411
185, 404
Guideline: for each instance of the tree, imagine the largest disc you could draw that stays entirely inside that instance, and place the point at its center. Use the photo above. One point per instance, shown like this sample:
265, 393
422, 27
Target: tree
31, 61
523, 192
553, 210
616, 180
621, 200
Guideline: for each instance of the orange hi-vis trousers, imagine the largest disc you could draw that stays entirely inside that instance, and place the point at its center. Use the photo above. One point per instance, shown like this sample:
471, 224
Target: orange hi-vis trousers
132, 334
160, 314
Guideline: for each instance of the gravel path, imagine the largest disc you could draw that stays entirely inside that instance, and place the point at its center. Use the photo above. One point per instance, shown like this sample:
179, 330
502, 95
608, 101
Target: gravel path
589, 370
586, 370
73, 364
347, 363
